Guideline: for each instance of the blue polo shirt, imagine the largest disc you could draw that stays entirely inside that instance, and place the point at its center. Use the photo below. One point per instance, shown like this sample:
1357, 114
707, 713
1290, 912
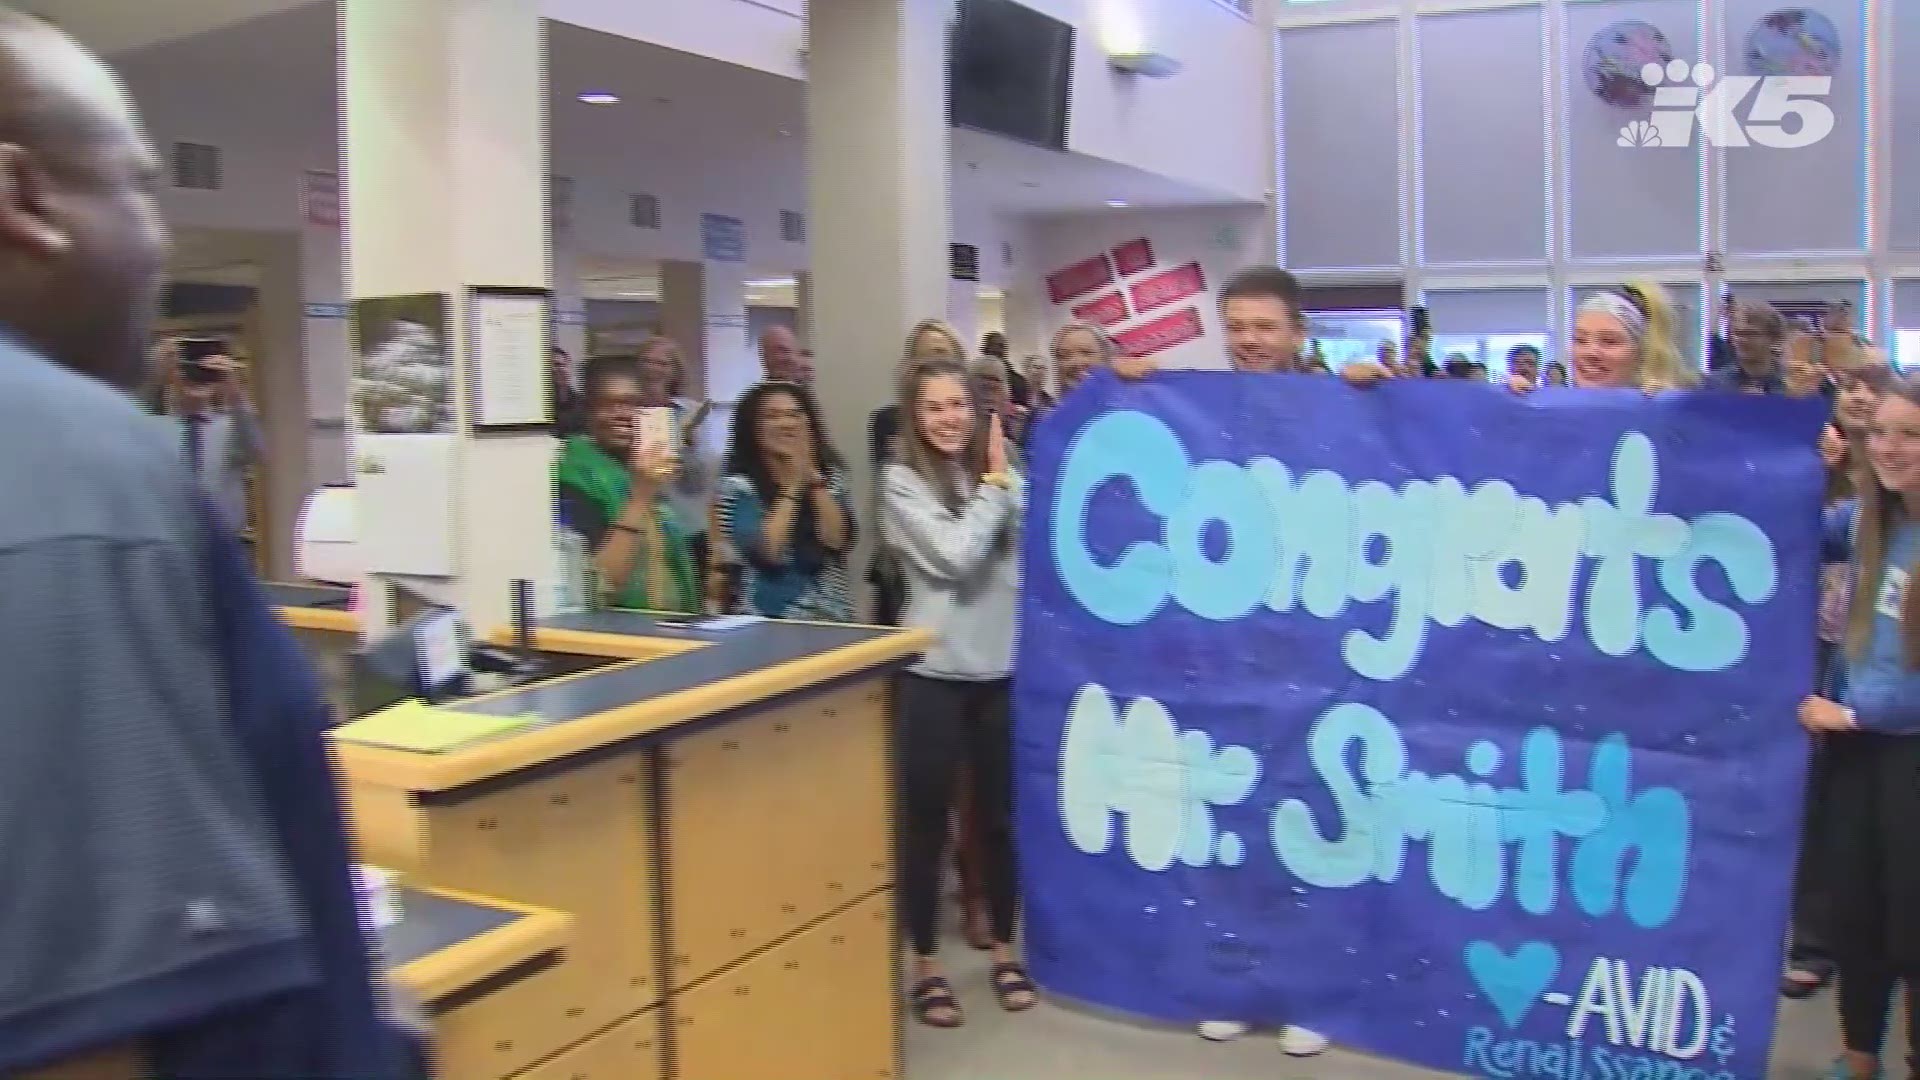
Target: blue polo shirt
175, 867
331, 1027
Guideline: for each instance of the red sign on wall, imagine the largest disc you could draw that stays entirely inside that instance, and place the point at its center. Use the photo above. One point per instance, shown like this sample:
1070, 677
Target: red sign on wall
1162, 333
1103, 310
1133, 256
1079, 279
320, 197
1165, 288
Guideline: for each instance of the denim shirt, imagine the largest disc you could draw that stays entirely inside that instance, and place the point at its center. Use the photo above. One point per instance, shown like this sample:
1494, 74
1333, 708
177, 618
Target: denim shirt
1882, 691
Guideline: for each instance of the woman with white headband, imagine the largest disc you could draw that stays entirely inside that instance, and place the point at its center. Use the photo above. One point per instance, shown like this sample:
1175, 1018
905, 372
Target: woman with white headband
1624, 339
1080, 347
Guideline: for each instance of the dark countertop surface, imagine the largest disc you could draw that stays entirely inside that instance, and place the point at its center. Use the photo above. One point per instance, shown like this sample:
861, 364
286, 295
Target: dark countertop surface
283, 594
728, 654
430, 923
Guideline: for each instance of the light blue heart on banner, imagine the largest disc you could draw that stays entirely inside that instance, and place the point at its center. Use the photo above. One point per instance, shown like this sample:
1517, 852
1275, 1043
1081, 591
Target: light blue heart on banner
1513, 982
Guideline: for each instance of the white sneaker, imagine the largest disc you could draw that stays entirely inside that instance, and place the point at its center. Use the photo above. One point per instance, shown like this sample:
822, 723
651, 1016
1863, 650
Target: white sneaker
1299, 1042
1222, 1030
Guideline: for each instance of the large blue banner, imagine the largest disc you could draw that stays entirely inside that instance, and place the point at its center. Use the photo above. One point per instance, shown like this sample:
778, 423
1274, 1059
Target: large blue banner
1457, 725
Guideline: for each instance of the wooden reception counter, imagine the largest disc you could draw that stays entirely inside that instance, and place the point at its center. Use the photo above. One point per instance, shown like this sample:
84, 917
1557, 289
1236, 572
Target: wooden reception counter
450, 948
712, 810
321, 617
319, 608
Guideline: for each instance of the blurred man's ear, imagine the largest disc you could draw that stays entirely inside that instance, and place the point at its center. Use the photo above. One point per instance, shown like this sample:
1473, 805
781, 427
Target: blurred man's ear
27, 220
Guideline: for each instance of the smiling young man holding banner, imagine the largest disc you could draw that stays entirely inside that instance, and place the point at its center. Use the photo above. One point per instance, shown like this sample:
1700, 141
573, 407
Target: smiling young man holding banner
1267, 330
1267, 334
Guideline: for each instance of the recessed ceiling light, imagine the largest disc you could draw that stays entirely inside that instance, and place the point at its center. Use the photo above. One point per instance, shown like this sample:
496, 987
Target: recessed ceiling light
599, 97
786, 133
1117, 204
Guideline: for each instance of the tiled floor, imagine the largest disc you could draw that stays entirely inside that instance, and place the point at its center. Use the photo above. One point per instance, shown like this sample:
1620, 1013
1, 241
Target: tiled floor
1052, 1043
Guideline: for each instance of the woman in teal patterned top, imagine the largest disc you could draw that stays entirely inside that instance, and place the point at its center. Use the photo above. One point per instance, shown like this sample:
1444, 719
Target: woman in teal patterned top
784, 508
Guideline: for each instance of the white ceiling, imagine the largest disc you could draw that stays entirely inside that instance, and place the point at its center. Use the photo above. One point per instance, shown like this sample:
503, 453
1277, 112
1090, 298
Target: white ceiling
679, 96
669, 100
689, 96
113, 26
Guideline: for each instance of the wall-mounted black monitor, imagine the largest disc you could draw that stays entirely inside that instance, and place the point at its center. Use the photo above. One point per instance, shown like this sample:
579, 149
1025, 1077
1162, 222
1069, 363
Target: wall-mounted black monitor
1011, 72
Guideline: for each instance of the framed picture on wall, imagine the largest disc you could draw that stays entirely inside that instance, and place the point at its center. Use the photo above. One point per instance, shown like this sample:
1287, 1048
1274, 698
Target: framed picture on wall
403, 364
510, 339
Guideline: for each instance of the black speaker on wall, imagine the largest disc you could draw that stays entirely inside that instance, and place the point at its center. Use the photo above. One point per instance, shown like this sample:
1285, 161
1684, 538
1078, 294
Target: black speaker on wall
1010, 72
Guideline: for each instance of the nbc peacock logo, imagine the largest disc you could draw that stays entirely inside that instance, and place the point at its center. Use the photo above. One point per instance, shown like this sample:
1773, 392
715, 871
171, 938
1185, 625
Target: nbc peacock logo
1638, 133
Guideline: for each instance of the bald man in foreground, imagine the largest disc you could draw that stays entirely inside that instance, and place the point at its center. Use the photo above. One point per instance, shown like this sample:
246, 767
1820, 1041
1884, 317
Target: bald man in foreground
173, 867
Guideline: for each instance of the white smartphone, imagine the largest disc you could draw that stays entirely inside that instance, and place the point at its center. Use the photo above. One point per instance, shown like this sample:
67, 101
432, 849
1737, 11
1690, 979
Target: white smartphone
657, 428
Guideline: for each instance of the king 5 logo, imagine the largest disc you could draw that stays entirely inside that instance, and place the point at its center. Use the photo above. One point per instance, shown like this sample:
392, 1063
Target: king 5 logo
1787, 111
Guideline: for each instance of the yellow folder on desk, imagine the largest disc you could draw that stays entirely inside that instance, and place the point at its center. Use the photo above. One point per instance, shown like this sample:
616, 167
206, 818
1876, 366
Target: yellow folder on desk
429, 729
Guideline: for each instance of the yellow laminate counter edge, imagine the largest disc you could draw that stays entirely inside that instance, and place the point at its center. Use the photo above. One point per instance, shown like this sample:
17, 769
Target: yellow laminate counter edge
447, 971
536, 746
604, 646
331, 619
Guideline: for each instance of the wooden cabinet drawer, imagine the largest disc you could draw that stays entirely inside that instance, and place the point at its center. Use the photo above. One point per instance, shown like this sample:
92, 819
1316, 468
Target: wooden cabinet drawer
631, 1051
819, 1007
576, 842
772, 822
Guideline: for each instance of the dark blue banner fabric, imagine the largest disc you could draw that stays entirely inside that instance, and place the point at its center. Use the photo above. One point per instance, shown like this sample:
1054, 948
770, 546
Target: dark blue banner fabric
1456, 724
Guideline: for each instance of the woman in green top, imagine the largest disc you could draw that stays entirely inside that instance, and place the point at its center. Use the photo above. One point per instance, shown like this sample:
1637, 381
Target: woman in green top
612, 492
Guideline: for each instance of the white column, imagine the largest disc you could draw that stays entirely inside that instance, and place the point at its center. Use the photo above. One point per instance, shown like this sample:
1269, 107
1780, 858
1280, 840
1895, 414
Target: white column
280, 387
703, 306
731, 361
1266, 14
1026, 311
877, 156
326, 354
963, 311
803, 305
445, 170
569, 302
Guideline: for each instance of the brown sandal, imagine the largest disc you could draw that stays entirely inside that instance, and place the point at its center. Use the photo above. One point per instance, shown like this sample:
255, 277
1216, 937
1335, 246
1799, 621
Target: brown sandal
932, 994
1009, 980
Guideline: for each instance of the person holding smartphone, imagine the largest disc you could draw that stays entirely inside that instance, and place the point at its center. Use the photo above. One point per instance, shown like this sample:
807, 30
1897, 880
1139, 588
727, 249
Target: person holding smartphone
612, 483
662, 380
220, 437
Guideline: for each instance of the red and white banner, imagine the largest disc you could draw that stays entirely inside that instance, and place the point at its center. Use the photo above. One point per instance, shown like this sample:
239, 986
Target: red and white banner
1162, 333
1079, 279
1167, 287
1133, 256
1103, 310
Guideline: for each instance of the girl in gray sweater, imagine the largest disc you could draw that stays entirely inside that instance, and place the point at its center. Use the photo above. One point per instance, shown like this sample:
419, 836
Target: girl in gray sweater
950, 511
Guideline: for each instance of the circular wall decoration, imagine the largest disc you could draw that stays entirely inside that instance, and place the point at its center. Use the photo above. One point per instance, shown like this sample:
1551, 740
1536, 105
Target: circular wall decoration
1793, 41
1617, 58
